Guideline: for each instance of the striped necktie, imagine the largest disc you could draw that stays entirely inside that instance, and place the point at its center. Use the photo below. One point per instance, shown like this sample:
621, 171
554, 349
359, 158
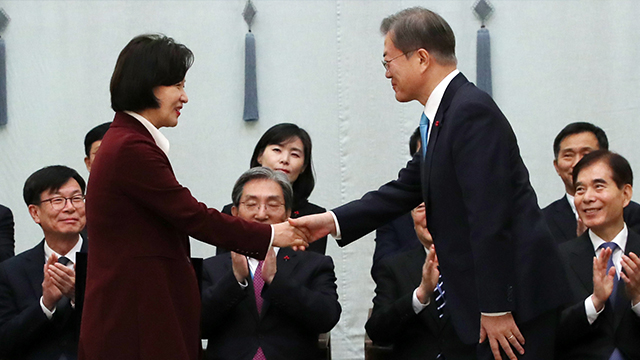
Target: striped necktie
424, 130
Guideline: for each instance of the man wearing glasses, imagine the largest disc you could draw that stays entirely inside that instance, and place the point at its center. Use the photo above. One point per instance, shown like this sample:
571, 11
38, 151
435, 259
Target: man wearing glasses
37, 287
271, 309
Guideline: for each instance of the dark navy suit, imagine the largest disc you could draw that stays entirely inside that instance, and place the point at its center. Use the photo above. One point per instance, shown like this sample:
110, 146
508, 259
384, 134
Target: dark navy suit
6, 233
495, 250
25, 331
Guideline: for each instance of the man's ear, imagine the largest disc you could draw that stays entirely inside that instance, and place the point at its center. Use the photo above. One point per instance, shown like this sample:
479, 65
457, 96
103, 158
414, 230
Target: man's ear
234, 211
34, 211
627, 192
87, 163
424, 57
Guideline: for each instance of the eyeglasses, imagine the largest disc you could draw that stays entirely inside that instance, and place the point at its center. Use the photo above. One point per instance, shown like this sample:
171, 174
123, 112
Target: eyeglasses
386, 63
58, 203
254, 206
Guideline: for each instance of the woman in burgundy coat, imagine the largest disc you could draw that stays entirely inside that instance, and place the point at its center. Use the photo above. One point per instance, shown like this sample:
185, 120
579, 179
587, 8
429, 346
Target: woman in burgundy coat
142, 299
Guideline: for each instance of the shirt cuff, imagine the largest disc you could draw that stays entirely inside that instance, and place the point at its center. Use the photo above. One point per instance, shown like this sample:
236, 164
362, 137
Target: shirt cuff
590, 310
417, 305
496, 314
46, 311
338, 234
636, 308
273, 234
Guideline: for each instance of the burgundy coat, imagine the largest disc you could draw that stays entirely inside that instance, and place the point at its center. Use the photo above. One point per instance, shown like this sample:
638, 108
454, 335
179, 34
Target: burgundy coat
142, 299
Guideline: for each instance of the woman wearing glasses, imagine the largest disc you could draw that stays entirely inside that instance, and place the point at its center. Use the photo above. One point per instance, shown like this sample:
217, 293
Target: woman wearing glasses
142, 299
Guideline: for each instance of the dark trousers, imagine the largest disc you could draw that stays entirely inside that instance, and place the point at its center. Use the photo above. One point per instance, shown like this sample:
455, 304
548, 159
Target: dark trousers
539, 336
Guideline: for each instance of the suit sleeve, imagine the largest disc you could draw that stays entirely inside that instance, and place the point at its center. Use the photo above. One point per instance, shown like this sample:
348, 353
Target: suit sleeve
22, 324
392, 309
6, 234
376, 208
314, 302
151, 182
483, 152
220, 294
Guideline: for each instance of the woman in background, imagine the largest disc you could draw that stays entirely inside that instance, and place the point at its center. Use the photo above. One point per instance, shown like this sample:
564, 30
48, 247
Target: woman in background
287, 147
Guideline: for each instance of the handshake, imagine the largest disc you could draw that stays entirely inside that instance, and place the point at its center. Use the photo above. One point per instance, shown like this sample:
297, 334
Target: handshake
299, 233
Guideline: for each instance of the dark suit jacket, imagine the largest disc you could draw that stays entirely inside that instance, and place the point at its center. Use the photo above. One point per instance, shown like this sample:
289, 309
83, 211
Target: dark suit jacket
495, 250
6, 233
576, 338
25, 331
393, 238
300, 303
142, 299
562, 221
302, 208
413, 336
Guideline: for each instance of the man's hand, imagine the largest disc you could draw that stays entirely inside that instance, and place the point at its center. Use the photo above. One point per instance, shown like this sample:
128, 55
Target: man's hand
51, 294
419, 216
631, 276
269, 266
240, 266
64, 279
316, 226
502, 332
602, 279
286, 235
430, 276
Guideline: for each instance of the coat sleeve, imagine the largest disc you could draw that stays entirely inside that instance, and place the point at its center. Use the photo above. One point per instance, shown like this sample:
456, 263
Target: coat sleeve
151, 182
392, 308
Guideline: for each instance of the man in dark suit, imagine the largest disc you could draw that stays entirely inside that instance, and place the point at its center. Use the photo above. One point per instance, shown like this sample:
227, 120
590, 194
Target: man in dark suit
7, 241
604, 271
409, 310
271, 309
398, 235
497, 257
37, 287
570, 145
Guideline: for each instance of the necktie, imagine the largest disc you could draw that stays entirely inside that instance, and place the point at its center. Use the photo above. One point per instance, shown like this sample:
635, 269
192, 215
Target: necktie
613, 246
258, 284
440, 300
64, 260
424, 130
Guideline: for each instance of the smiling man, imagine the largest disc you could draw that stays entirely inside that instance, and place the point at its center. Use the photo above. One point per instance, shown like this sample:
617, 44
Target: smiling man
37, 288
497, 257
572, 143
603, 269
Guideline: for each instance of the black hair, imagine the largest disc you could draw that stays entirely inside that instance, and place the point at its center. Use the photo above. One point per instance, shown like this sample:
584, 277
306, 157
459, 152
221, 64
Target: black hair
95, 134
50, 178
620, 169
146, 62
414, 141
578, 128
279, 134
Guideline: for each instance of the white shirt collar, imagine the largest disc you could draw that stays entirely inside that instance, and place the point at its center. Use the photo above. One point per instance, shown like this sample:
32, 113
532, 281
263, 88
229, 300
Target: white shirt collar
572, 203
620, 239
433, 102
158, 137
71, 255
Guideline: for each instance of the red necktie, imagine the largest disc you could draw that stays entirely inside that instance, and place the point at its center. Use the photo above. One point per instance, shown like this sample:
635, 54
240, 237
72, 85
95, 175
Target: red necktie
258, 284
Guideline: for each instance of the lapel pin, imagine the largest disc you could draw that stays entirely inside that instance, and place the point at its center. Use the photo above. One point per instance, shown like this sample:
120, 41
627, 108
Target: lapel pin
286, 257
437, 123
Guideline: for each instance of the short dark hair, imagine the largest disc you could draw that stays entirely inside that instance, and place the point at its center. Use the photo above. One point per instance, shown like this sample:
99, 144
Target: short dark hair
146, 62
263, 173
620, 168
49, 178
419, 28
279, 134
578, 128
95, 134
414, 140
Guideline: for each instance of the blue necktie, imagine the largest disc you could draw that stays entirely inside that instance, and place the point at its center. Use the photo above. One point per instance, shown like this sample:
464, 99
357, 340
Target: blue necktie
613, 246
424, 130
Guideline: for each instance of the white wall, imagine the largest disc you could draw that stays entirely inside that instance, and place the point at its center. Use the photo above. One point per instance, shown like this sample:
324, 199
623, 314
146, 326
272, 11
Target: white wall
554, 62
